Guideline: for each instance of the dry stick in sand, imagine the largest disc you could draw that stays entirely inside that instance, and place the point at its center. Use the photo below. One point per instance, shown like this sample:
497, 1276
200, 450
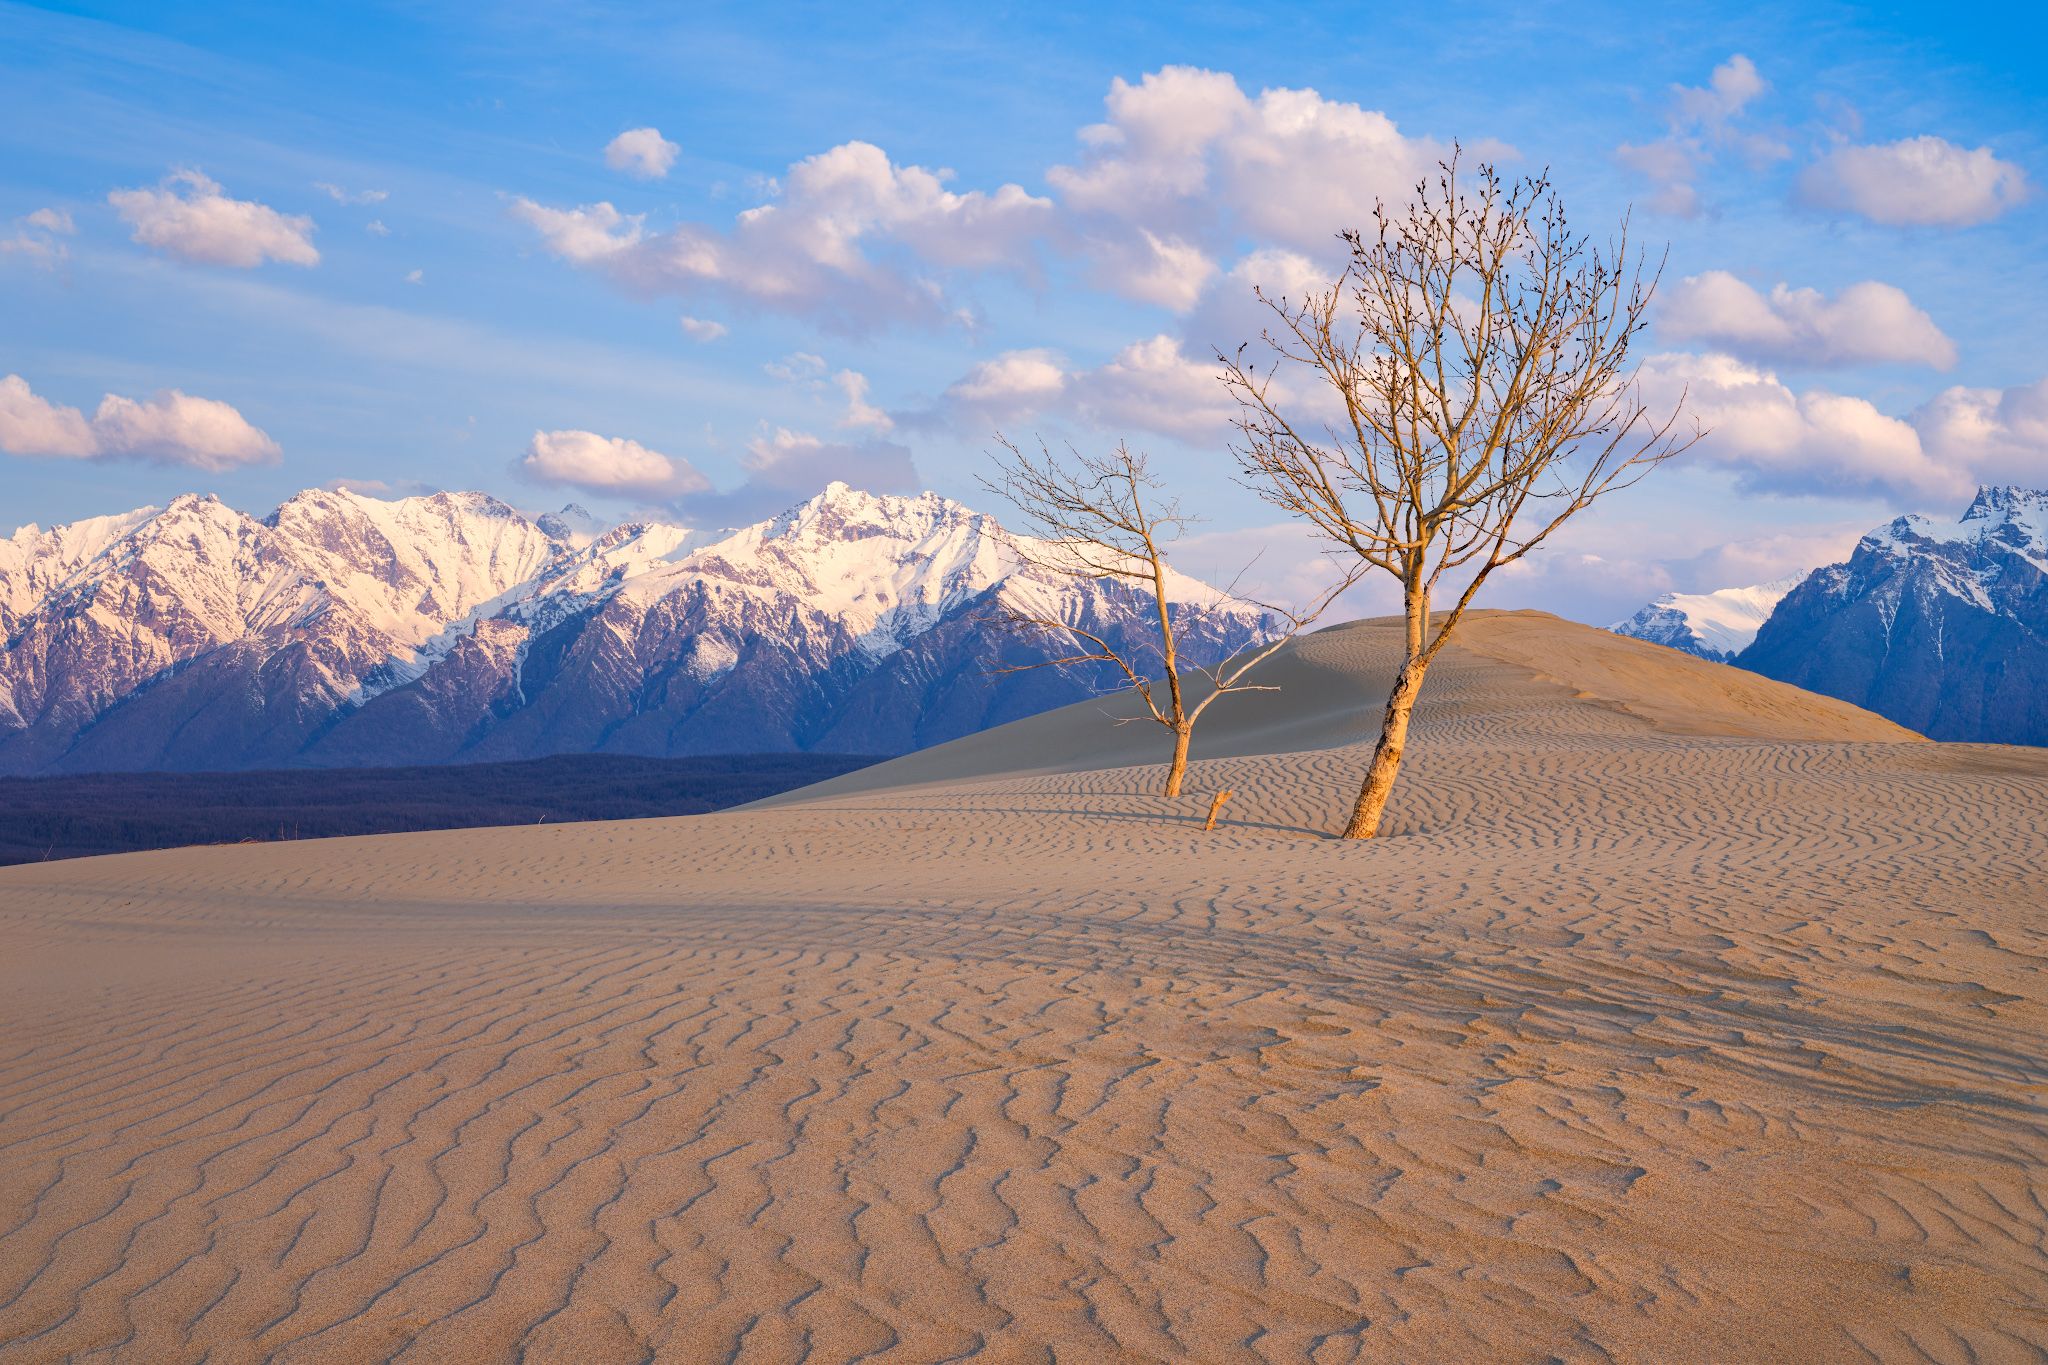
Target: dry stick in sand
1477, 392
1215, 809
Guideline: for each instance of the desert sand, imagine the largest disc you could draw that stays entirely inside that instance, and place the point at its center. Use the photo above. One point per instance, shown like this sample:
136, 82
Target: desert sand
1684, 1016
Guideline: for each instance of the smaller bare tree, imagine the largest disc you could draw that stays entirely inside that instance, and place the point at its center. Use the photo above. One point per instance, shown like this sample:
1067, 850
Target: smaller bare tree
1098, 517
1474, 360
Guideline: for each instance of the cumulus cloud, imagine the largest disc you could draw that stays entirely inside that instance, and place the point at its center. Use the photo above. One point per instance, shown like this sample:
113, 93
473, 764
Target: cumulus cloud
1151, 385
1779, 440
701, 329
1729, 88
1701, 121
2000, 435
859, 412
642, 153
588, 235
1154, 385
1141, 265
1827, 443
852, 240
342, 196
170, 428
1186, 153
37, 237
1230, 313
1866, 322
190, 217
1011, 385
1184, 167
1915, 182
608, 464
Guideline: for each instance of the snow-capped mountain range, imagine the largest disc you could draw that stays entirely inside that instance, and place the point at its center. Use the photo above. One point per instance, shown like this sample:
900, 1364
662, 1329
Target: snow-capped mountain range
1939, 625
345, 629
1714, 625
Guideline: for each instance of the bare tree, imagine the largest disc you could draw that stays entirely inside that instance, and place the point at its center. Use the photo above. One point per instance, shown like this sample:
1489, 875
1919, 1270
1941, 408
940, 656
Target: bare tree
1098, 517
1476, 392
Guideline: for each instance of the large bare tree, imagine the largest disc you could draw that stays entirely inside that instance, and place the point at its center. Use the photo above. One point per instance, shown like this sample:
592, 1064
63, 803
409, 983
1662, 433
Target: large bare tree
1102, 517
1461, 391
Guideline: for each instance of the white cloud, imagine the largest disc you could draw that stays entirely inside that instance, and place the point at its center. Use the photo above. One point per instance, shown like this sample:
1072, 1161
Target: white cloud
1152, 269
1700, 122
1915, 182
188, 216
588, 235
1812, 442
415, 276
342, 196
797, 367
1150, 385
642, 153
36, 237
1185, 167
859, 412
1866, 322
851, 241
1230, 314
1731, 86
701, 329
375, 227
170, 428
1186, 163
30, 425
2000, 435
1008, 385
1749, 560
608, 464
1155, 386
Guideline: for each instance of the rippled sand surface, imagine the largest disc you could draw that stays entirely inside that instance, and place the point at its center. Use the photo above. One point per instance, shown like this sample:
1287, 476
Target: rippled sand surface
1685, 1017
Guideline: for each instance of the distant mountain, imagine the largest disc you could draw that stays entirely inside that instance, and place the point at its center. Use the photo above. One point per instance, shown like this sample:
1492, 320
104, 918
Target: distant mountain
1940, 626
347, 630
1714, 625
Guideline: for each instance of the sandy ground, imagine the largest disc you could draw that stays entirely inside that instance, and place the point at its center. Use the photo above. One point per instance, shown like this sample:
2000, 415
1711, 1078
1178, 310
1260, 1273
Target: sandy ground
1687, 1017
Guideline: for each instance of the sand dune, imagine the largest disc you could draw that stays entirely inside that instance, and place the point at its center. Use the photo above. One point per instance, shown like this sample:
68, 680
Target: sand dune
1687, 1017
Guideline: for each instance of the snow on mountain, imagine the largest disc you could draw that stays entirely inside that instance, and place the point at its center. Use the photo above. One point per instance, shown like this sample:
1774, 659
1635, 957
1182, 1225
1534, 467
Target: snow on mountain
1715, 625
346, 629
1939, 625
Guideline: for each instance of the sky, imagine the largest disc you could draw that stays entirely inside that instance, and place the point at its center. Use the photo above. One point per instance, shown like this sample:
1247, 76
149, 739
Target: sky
694, 261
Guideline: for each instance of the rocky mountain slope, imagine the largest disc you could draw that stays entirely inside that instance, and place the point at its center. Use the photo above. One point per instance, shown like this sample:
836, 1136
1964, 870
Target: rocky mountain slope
344, 629
1940, 626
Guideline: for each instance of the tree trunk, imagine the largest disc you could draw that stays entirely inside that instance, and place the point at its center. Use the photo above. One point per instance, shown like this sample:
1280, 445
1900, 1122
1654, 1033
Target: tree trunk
1386, 756
1178, 769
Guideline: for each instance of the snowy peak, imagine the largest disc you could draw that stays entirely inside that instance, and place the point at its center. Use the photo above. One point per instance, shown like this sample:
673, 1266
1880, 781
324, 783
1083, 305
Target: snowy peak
35, 563
1939, 625
1714, 625
572, 525
349, 628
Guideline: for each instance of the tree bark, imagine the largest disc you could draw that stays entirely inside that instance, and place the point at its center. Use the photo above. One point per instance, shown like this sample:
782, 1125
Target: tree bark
1178, 769
1386, 755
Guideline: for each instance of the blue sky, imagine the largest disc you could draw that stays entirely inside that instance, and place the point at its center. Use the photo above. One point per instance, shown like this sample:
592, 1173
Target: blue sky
387, 245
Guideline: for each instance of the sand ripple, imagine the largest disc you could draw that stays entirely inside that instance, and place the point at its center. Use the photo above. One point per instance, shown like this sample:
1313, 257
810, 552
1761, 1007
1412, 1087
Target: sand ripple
1637, 1045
